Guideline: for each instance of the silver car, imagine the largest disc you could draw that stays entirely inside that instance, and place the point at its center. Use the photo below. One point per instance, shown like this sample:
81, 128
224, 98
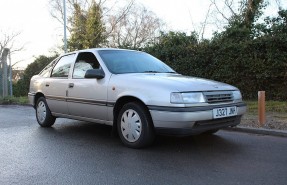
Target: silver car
134, 92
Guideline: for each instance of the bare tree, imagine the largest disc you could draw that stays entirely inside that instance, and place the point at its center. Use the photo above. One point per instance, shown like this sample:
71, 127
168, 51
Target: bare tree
8, 41
57, 9
108, 6
135, 29
127, 24
117, 12
205, 23
224, 11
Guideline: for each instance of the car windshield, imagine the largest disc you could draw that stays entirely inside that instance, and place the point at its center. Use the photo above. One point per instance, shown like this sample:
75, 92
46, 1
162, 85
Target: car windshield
124, 61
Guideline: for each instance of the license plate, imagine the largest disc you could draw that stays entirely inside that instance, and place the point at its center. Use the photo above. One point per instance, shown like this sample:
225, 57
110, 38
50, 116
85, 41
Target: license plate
224, 112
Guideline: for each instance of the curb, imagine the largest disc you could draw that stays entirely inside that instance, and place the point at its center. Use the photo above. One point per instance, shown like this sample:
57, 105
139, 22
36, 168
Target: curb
23, 105
261, 131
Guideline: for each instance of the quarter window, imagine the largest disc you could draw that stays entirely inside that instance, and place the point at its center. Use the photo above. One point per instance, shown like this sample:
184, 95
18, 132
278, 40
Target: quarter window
46, 72
62, 68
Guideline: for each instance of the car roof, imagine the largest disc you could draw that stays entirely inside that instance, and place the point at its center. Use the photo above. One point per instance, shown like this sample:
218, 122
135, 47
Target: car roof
96, 49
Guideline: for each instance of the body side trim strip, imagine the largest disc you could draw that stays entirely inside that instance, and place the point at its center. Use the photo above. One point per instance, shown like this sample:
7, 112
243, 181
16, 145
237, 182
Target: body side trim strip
82, 118
81, 100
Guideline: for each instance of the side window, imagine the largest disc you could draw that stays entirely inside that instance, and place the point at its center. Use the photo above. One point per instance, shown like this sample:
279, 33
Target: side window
63, 66
85, 61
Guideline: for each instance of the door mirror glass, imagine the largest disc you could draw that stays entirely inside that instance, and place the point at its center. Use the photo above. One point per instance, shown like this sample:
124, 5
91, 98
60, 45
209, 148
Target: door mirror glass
95, 73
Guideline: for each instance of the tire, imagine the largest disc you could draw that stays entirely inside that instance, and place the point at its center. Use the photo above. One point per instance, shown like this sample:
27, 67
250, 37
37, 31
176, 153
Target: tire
135, 125
43, 113
210, 132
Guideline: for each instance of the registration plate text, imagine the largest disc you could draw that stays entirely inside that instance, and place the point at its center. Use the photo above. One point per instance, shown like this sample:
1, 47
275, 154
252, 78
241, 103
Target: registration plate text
224, 112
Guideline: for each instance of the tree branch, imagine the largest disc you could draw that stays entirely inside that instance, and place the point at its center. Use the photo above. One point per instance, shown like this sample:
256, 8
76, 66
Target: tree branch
218, 10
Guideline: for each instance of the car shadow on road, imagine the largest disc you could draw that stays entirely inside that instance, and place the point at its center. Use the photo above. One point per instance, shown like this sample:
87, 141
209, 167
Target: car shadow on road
101, 134
79, 130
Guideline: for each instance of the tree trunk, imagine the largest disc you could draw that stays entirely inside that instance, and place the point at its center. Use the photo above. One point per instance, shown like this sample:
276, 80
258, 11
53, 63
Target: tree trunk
4, 72
251, 9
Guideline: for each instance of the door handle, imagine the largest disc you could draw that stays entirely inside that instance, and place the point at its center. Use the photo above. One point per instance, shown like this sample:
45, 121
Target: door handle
47, 84
71, 85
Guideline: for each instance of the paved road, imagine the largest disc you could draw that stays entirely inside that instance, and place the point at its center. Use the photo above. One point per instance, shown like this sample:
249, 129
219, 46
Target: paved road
74, 152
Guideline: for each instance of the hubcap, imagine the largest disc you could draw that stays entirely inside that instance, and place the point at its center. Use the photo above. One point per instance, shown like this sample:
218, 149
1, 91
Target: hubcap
41, 111
131, 125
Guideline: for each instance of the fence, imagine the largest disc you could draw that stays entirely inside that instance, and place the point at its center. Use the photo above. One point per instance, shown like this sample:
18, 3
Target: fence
5, 74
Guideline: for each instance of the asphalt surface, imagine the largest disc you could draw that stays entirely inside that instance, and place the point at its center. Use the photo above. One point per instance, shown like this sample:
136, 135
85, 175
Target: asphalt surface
74, 152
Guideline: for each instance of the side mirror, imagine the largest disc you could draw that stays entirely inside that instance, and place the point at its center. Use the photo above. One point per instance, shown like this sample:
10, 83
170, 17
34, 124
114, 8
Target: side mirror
95, 73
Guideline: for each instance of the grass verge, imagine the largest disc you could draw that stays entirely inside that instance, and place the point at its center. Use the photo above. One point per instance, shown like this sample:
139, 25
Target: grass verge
270, 106
23, 100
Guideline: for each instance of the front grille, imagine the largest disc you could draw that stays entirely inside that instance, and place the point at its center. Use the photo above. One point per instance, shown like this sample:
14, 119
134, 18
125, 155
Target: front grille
219, 96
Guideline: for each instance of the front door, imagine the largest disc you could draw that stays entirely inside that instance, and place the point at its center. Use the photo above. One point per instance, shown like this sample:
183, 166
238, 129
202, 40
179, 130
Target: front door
87, 98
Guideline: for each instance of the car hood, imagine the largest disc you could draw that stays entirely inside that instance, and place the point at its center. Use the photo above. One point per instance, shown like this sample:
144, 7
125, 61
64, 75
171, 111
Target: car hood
174, 82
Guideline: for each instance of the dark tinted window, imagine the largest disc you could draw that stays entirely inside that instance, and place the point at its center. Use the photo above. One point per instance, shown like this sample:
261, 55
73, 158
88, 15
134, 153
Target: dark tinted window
122, 61
85, 61
63, 66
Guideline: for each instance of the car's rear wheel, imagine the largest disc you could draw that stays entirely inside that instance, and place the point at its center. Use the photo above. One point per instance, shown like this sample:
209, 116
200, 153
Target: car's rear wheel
43, 113
135, 125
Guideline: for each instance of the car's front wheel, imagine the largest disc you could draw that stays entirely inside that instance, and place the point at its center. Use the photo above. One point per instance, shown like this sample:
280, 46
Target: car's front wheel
135, 125
43, 113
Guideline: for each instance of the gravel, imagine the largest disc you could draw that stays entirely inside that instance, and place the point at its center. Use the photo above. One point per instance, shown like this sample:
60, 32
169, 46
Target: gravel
274, 120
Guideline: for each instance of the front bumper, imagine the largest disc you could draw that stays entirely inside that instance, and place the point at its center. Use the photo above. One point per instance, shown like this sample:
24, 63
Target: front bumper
192, 120
31, 97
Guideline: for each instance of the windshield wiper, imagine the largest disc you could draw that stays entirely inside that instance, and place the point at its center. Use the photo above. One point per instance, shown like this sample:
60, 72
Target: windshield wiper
159, 72
170, 72
151, 72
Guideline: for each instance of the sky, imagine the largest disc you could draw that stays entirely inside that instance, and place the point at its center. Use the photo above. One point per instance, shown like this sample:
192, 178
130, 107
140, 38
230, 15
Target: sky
40, 33
181, 15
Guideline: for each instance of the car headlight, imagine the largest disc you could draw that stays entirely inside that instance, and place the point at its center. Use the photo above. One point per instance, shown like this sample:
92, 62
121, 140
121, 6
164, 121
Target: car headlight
196, 97
237, 95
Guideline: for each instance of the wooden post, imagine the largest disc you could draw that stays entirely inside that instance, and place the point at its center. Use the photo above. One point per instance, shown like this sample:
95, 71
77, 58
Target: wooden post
261, 108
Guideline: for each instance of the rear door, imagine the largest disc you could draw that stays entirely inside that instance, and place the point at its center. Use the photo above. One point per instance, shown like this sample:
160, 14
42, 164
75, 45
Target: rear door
56, 86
